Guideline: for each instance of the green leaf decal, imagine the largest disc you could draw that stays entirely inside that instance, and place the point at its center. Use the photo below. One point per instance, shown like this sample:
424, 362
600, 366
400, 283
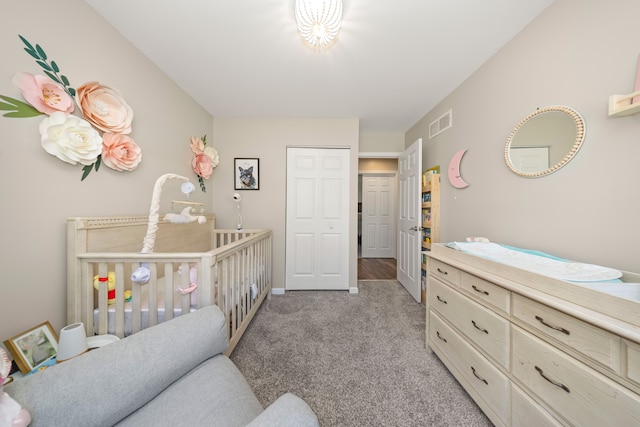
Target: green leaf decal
52, 76
44, 66
29, 46
17, 108
41, 52
32, 53
51, 69
85, 172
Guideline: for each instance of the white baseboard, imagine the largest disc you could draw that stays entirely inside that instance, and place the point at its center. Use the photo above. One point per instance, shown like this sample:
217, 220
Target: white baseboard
353, 290
277, 291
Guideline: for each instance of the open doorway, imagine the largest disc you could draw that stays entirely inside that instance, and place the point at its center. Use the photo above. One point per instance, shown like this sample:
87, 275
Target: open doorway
377, 216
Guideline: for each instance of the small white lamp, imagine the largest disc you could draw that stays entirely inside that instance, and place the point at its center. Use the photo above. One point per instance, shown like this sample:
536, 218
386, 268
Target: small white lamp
72, 343
238, 199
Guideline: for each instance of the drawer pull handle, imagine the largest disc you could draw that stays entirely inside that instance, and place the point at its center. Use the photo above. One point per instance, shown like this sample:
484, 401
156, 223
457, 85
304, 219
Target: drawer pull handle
473, 322
555, 383
442, 271
479, 290
438, 334
440, 299
557, 328
478, 376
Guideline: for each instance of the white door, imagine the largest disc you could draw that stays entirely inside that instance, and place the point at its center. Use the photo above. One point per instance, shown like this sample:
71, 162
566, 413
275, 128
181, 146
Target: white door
317, 235
378, 217
409, 240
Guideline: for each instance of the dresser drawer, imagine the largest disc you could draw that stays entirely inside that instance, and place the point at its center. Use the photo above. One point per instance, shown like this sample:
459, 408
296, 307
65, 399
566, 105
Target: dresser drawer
485, 328
595, 343
578, 393
525, 412
486, 291
632, 351
444, 272
487, 382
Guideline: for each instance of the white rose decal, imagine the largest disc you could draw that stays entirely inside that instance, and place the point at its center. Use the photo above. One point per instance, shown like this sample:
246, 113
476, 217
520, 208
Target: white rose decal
70, 138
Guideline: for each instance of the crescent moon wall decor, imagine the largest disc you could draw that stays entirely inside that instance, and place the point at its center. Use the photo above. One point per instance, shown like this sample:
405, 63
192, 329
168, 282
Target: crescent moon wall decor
454, 170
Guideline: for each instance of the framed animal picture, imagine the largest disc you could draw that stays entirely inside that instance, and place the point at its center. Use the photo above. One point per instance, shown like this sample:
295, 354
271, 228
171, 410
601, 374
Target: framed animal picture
246, 173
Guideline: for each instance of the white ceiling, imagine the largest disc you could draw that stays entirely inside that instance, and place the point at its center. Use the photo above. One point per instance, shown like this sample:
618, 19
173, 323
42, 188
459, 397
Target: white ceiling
393, 62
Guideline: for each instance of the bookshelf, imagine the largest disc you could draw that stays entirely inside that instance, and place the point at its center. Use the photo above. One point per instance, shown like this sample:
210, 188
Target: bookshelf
430, 222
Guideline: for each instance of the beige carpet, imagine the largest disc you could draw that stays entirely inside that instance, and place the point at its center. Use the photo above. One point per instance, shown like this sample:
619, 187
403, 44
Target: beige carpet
357, 359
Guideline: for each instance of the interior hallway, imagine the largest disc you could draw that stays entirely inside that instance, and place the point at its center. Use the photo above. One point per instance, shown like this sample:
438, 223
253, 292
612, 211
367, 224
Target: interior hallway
376, 269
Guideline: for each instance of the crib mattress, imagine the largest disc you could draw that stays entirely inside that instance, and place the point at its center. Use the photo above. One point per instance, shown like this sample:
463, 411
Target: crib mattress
144, 313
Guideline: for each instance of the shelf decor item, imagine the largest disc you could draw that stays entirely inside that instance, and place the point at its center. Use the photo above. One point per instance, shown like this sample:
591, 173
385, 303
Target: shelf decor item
33, 347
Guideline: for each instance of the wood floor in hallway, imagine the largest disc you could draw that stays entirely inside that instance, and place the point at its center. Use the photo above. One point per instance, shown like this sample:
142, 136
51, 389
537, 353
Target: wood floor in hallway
376, 269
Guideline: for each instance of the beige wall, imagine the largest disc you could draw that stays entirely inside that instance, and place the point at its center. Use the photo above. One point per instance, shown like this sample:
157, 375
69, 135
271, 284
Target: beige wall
377, 165
383, 142
39, 192
577, 54
267, 139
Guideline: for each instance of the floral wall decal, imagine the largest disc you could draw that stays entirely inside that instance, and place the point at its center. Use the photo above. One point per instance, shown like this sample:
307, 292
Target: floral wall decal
205, 160
98, 134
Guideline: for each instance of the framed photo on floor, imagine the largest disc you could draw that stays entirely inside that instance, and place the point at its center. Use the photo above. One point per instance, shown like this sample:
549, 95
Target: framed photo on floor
246, 173
33, 347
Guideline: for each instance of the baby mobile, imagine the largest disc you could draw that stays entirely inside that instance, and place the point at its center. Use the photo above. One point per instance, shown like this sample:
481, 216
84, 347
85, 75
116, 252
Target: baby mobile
98, 134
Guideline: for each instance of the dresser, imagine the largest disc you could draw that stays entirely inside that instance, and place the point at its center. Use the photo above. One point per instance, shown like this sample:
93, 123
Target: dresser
533, 350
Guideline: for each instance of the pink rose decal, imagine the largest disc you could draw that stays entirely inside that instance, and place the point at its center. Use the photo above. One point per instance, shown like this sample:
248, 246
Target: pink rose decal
206, 158
103, 107
43, 93
120, 152
202, 165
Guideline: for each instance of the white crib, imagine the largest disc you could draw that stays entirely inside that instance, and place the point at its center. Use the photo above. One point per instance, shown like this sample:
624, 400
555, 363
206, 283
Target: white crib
233, 270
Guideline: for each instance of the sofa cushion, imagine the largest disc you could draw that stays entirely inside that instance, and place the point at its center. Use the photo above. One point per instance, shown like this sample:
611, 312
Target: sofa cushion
287, 411
105, 385
214, 393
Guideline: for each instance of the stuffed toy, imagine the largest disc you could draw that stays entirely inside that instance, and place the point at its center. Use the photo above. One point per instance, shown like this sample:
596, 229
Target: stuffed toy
11, 413
193, 278
184, 217
111, 285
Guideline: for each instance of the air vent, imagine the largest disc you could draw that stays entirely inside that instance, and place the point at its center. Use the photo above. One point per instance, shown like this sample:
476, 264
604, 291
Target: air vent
440, 124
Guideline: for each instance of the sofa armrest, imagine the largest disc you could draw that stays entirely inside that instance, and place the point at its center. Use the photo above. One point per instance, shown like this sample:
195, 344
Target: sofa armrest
105, 385
288, 411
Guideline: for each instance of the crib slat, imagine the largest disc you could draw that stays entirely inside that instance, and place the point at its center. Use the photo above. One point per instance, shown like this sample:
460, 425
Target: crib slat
168, 291
119, 304
152, 297
86, 297
102, 298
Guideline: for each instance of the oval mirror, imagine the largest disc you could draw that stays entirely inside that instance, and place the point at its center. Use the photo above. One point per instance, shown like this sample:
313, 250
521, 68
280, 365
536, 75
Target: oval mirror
544, 141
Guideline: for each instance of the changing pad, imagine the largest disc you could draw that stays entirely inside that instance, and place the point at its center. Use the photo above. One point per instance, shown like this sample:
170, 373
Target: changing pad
538, 262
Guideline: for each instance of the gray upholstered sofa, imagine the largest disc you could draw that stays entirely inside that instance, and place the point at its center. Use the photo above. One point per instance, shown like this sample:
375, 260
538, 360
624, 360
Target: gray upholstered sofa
171, 374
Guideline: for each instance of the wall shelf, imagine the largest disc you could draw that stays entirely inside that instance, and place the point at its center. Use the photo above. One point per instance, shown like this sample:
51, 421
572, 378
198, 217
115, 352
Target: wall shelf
622, 105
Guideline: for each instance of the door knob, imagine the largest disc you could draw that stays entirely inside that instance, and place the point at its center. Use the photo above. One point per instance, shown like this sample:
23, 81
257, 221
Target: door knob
415, 228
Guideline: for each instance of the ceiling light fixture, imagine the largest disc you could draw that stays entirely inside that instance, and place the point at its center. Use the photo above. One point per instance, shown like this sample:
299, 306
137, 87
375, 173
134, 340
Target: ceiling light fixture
319, 22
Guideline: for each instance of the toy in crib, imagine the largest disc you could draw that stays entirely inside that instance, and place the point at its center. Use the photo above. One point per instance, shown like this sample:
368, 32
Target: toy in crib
185, 216
11, 413
111, 285
193, 278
